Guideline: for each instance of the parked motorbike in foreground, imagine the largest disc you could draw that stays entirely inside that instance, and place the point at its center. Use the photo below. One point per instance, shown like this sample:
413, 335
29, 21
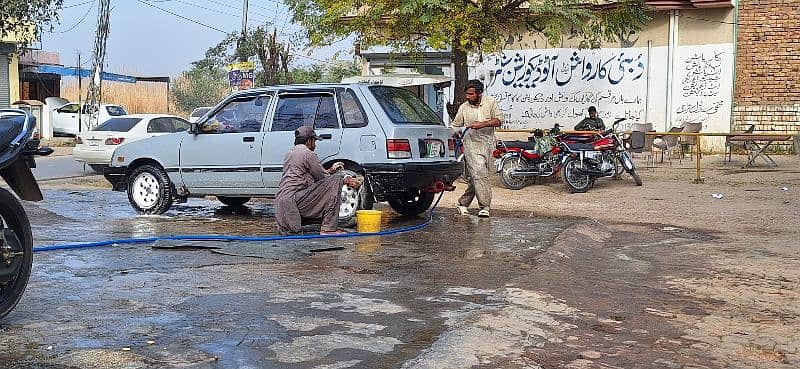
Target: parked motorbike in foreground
521, 162
17, 151
595, 156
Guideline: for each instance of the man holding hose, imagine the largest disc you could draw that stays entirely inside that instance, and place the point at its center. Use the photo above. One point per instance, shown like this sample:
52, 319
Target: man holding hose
481, 115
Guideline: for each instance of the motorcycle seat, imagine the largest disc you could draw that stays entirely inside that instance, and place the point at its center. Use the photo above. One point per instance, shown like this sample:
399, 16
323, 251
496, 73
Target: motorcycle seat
525, 145
580, 146
579, 137
10, 128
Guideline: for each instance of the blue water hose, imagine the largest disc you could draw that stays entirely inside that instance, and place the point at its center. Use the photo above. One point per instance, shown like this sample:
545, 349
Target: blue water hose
238, 238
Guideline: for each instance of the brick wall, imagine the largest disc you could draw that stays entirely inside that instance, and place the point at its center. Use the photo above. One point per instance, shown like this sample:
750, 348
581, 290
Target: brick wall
768, 67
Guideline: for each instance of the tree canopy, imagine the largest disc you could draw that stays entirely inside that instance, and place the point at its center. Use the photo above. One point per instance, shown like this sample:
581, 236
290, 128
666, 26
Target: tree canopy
464, 26
24, 18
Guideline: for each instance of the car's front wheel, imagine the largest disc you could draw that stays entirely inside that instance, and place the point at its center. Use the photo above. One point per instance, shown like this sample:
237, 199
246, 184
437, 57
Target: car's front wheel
149, 189
412, 203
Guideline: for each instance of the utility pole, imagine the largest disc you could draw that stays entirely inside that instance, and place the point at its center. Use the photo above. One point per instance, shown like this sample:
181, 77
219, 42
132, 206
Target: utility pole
80, 106
245, 4
98, 58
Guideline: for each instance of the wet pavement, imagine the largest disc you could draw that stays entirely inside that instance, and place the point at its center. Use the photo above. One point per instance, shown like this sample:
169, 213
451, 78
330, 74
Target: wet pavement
513, 291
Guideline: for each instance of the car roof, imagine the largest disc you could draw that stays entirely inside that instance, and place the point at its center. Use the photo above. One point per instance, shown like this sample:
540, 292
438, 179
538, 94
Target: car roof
311, 86
146, 116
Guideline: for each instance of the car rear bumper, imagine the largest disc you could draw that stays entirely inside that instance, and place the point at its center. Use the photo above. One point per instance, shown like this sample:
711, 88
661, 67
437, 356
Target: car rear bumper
92, 156
386, 179
116, 176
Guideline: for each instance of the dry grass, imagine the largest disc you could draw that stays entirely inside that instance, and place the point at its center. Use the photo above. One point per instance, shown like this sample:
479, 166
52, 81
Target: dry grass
140, 97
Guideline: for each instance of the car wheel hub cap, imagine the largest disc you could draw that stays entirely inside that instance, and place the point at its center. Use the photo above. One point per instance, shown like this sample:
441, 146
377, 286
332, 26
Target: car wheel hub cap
145, 190
349, 202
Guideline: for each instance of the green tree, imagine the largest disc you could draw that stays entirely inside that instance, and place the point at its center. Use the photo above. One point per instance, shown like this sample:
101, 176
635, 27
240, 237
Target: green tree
328, 72
25, 18
465, 26
200, 86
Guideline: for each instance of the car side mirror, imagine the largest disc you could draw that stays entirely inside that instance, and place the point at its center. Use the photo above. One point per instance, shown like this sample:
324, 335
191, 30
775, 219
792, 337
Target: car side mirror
194, 128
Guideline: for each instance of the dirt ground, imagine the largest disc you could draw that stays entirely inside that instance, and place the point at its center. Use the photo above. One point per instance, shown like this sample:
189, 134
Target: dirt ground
672, 274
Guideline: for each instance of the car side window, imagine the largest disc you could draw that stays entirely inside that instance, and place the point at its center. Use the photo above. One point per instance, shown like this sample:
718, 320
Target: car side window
239, 115
352, 112
160, 125
294, 111
180, 125
70, 109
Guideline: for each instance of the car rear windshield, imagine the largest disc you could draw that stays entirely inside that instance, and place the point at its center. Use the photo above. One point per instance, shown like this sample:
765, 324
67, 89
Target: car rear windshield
199, 112
118, 124
115, 111
403, 107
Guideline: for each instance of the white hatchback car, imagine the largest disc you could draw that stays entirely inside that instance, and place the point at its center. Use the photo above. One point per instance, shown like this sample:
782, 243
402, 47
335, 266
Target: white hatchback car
95, 147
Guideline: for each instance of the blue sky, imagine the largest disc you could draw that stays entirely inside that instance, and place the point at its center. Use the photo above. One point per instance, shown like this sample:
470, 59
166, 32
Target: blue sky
146, 41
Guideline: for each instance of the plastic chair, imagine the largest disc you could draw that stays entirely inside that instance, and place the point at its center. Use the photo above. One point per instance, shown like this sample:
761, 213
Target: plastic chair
687, 141
730, 145
667, 143
639, 142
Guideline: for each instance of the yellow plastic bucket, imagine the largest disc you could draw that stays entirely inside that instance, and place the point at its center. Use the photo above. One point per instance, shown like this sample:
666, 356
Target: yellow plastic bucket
368, 221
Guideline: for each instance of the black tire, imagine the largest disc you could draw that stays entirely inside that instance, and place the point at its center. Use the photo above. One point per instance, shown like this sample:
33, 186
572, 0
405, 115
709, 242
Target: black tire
98, 167
149, 190
17, 227
233, 201
361, 199
576, 183
627, 163
414, 203
513, 183
636, 177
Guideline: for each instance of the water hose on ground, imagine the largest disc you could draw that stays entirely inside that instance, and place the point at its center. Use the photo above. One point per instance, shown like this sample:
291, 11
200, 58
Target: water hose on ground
226, 238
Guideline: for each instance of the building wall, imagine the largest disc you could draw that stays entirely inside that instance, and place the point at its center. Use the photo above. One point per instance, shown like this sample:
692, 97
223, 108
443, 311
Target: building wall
767, 90
13, 78
688, 79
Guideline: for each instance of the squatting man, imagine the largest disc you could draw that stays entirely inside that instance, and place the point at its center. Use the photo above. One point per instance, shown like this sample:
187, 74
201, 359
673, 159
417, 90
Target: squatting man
307, 190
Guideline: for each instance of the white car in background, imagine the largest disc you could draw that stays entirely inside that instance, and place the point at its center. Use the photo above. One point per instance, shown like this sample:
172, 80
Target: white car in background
65, 115
96, 147
199, 113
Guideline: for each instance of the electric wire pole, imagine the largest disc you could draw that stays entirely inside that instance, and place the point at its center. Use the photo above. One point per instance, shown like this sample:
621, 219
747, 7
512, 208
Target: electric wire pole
94, 94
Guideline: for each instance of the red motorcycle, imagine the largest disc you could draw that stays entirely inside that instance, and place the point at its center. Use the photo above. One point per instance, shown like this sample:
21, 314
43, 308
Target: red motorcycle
592, 156
521, 162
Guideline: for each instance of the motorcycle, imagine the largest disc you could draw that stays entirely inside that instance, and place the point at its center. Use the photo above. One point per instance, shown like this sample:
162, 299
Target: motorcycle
521, 162
595, 156
17, 151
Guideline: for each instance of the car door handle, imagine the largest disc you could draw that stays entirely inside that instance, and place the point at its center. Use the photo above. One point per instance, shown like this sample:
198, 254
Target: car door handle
326, 136
248, 139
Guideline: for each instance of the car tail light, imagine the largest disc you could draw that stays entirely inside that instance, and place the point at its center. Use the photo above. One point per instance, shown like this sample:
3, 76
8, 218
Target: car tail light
78, 140
398, 149
451, 147
114, 140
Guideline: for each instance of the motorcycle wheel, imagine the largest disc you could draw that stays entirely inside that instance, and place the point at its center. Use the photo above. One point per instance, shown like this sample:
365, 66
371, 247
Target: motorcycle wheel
627, 163
14, 222
513, 183
576, 183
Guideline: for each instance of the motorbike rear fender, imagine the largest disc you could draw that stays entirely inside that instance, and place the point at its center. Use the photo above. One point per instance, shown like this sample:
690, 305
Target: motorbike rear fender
19, 177
507, 156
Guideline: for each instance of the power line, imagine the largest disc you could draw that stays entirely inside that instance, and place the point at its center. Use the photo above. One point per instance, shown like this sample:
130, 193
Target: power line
182, 17
224, 32
74, 5
82, 18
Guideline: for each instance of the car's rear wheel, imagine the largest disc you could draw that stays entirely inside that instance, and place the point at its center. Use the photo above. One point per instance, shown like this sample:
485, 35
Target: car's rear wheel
233, 201
412, 203
149, 190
